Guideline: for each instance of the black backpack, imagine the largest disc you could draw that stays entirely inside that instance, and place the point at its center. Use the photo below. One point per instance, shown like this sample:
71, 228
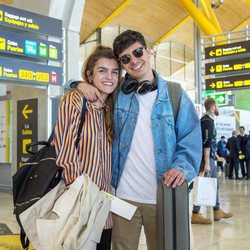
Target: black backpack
38, 175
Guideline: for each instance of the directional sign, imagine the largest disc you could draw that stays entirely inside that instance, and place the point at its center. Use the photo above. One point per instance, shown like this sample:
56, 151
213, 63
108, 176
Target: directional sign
27, 127
219, 98
227, 50
26, 111
24, 20
20, 71
19, 44
231, 82
225, 67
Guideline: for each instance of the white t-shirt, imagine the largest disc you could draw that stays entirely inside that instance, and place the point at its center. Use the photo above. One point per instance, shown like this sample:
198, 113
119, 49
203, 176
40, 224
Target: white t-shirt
138, 182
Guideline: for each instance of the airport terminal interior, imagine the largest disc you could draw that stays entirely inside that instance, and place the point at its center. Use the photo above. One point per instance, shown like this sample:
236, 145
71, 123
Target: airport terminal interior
202, 44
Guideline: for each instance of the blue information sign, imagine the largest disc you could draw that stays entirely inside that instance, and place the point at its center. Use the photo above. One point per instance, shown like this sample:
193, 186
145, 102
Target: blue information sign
28, 21
20, 71
19, 44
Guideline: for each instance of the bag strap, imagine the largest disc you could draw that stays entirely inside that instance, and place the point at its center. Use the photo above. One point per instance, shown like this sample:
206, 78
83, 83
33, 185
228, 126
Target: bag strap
80, 125
174, 90
48, 142
81, 122
24, 240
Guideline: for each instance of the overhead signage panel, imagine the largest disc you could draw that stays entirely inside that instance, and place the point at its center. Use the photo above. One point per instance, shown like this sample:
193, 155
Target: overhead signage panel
18, 44
16, 70
228, 83
224, 67
227, 50
28, 21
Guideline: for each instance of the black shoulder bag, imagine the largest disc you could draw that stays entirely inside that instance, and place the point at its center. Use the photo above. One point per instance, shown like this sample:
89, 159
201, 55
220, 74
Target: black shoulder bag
37, 176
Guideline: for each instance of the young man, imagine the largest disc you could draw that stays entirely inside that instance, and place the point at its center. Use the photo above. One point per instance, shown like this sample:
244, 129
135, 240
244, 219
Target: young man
148, 143
207, 165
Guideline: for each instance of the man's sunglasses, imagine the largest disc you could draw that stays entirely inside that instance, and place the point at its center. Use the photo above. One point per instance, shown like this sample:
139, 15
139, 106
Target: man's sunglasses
126, 58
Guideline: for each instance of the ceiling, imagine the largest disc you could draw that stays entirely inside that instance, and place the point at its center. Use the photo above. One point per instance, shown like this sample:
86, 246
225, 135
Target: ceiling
164, 21
159, 20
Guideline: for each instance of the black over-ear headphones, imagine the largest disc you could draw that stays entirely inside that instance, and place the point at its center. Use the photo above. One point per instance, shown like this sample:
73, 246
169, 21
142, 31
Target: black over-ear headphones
131, 85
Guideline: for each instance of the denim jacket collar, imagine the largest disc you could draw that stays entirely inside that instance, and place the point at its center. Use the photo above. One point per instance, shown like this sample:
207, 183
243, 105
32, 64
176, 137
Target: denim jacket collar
162, 90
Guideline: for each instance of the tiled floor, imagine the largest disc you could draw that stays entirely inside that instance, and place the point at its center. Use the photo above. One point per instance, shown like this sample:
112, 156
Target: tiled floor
231, 234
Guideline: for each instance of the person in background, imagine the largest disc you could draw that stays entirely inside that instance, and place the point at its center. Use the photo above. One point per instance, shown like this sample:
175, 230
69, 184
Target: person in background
248, 156
93, 154
242, 137
207, 164
148, 143
233, 146
221, 152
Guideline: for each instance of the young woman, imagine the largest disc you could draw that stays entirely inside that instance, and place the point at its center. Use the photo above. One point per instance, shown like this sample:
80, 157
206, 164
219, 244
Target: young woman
92, 156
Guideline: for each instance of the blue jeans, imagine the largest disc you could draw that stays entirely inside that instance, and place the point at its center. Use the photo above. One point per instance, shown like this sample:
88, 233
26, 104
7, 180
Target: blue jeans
212, 173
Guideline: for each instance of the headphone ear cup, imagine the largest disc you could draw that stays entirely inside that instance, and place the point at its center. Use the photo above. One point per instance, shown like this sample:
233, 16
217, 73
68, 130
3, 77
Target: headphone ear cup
129, 85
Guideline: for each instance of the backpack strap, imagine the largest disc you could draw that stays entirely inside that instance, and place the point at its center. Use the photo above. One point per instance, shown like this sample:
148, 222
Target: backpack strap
174, 90
24, 240
81, 122
80, 125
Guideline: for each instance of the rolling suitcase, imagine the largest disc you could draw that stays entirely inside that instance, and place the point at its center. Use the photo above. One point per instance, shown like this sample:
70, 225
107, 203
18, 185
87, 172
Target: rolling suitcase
172, 217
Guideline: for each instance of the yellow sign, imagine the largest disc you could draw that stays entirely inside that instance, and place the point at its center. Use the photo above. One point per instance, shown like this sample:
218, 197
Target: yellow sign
237, 81
25, 142
26, 74
1, 15
227, 50
26, 111
2, 43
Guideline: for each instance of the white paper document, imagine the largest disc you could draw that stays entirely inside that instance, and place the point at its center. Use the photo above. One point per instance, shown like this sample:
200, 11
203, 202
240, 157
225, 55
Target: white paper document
120, 207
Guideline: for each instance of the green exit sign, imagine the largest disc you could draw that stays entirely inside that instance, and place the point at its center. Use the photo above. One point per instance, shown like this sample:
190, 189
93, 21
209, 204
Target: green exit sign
220, 98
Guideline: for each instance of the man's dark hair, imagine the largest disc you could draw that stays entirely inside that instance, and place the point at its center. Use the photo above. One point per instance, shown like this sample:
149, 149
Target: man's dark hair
126, 39
242, 127
223, 137
210, 102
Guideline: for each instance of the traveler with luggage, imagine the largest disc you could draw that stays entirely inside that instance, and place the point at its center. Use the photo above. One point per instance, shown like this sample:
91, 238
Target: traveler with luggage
148, 143
207, 164
92, 156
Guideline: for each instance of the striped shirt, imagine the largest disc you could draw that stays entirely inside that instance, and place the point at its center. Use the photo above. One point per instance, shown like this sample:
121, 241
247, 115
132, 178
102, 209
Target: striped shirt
92, 156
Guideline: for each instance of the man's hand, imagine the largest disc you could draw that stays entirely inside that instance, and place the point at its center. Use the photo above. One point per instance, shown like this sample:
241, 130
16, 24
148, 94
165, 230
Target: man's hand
173, 177
206, 167
89, 91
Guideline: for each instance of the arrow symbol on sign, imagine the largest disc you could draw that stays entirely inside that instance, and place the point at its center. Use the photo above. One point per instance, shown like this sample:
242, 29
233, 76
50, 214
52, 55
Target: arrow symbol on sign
211, 53
212, 69
212, 85
221, 99
26, 111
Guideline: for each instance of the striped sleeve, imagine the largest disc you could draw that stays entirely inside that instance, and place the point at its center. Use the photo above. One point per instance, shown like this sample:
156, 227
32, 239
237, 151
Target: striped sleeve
65, 135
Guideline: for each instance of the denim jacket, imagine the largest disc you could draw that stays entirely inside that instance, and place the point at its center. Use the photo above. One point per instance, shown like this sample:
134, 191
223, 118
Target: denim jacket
175, 146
